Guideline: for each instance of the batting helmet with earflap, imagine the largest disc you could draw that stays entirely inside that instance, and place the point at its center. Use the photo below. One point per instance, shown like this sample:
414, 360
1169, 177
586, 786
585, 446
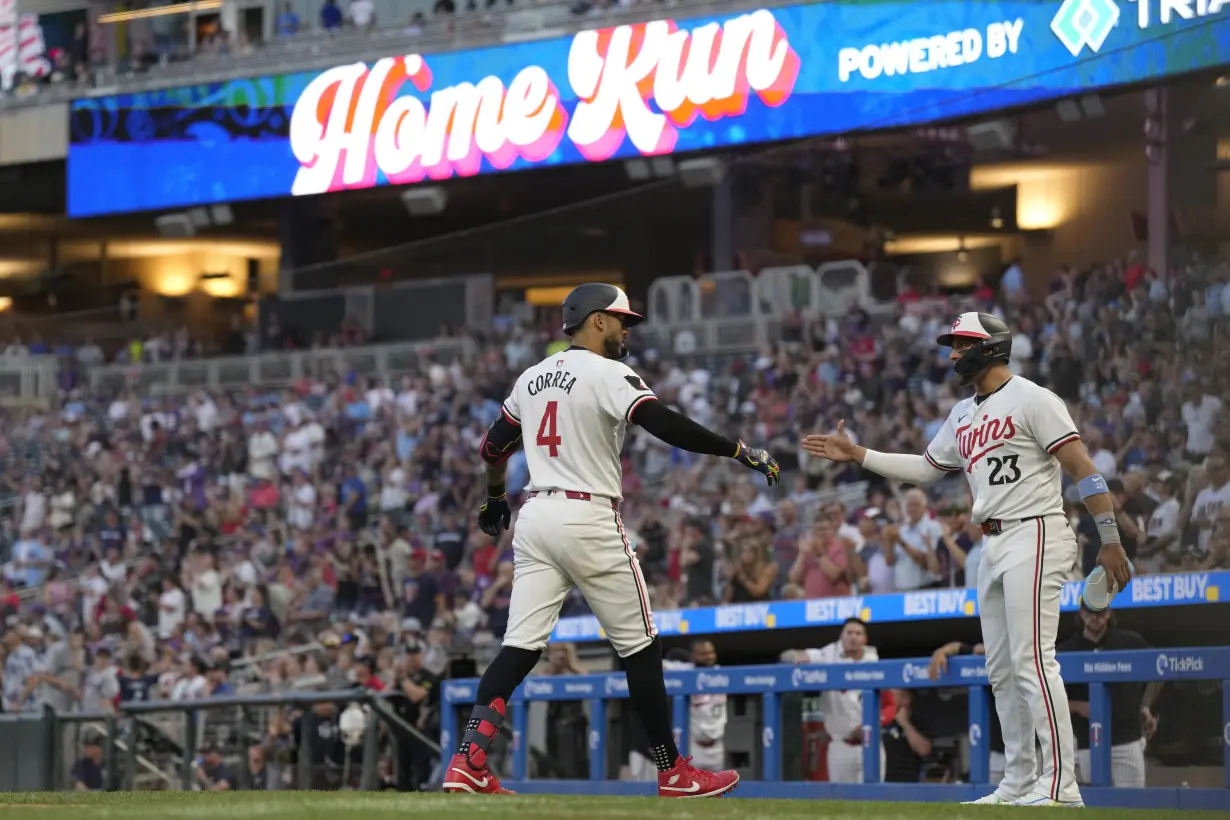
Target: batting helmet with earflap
992, 342
595, 297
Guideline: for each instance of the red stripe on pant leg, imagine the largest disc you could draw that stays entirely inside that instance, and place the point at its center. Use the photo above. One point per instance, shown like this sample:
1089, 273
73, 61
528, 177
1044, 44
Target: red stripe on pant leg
1044, 690
636, 577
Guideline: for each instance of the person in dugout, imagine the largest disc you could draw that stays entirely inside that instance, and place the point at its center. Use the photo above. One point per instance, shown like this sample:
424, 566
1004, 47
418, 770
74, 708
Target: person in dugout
843, 710
416, 700
1132, 717
939, 666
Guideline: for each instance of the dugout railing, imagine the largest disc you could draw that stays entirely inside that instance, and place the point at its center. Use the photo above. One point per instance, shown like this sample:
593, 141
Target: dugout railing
771, 683
156, 745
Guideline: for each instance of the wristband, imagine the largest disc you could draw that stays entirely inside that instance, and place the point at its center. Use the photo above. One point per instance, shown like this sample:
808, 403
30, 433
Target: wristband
1092, 485
1108, 530
497, 490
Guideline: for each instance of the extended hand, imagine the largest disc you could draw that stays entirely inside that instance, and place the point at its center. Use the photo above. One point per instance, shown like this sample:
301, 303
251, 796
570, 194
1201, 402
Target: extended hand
835, 447
495, 515
1148, 723
759, 460
939, 664
1114, 560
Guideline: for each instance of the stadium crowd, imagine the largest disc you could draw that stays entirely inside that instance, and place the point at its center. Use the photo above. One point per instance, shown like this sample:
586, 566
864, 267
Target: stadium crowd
188, 546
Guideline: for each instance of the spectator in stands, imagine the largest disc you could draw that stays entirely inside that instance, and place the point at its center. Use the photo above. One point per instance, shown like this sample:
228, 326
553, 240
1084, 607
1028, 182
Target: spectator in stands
752, 575
366, 676
62, 674
100, 688
172, 608
821, 568
330, 20
217, 679
916, 565
1219, 545
1199, 412
286, 25
136, 682
1161, 543
1211, 488
694, 558
362, 13
20, 666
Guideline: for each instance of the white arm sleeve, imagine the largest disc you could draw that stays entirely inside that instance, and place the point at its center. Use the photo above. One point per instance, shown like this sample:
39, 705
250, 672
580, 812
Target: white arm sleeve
901, 467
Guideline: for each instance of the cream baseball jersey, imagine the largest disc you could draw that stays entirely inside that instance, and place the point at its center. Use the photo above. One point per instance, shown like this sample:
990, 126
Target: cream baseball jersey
573, 409
1004, 444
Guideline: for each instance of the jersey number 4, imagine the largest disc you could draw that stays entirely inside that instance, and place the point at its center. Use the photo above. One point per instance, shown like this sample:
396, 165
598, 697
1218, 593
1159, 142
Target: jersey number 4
547, 435
1003, 470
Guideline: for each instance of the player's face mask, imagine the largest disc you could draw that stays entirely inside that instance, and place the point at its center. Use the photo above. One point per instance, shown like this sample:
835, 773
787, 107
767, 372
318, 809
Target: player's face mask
969, 361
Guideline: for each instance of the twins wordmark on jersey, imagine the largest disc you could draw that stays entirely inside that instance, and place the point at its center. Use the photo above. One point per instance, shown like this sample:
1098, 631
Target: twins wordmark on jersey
574, 409
1004, 443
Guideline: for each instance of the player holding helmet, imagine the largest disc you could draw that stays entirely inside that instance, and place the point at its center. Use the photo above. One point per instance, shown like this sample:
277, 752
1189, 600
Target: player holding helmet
1010, 439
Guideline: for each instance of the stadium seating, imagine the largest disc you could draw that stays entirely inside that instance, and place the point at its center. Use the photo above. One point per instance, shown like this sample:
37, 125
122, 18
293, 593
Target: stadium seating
271, 517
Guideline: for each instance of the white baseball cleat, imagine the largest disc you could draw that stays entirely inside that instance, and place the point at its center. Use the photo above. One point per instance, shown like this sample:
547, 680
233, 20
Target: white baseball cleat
1044, 800
993, 799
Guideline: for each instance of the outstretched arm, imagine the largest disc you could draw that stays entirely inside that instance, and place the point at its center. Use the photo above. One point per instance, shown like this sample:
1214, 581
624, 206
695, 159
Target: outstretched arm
897, 466
678, 430
910, 469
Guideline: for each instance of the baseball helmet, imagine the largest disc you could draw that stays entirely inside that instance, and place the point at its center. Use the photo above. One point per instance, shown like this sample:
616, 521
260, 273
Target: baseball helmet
595, 297
993, 342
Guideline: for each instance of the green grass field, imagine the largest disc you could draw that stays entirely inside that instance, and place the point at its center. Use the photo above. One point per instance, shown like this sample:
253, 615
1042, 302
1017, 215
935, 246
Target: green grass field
362, 806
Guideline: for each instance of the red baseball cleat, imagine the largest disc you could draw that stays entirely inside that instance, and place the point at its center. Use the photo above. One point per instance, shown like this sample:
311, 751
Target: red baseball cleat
467, 771
464, 778
685, 780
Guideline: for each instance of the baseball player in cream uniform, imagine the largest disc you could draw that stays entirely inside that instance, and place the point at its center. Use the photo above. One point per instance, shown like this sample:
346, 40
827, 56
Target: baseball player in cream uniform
706, 715
843, 710
1011, 440
570, 412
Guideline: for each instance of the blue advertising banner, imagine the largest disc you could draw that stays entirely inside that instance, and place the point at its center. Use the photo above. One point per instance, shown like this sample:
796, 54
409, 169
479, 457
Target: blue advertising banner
932, 604
1100, 670
645, 89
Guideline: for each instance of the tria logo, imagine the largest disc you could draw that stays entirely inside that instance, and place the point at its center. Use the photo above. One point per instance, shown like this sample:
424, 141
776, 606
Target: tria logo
975, 442
1085, 23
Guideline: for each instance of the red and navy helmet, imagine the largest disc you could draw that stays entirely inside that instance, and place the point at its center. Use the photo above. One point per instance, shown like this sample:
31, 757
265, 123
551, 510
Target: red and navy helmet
992, 342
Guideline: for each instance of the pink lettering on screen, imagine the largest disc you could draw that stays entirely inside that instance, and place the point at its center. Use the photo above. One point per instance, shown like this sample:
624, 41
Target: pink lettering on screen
352, 122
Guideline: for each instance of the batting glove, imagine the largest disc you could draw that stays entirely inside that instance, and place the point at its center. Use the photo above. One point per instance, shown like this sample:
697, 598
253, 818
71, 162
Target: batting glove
760, 461
495, 515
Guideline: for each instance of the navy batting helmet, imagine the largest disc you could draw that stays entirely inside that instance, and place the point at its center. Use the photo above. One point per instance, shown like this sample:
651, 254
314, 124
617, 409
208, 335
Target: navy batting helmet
992, 342
595, 297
